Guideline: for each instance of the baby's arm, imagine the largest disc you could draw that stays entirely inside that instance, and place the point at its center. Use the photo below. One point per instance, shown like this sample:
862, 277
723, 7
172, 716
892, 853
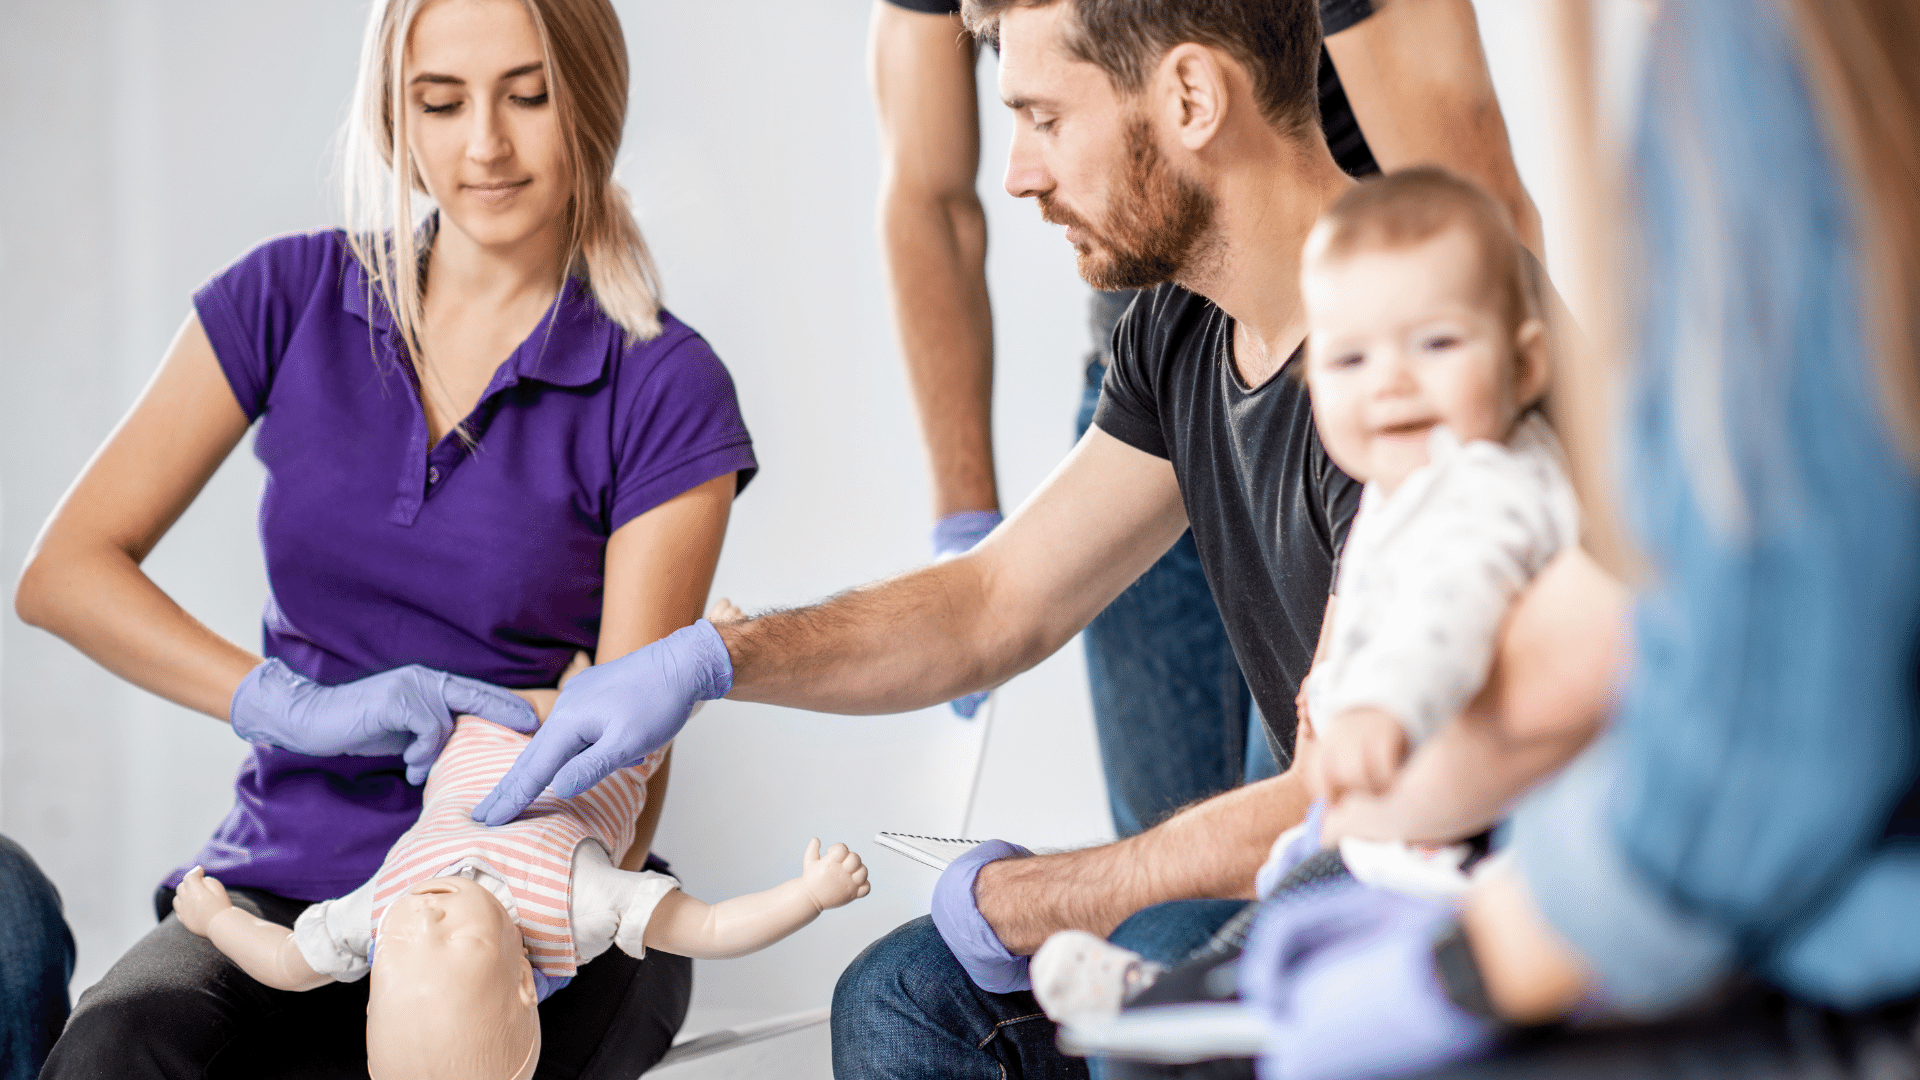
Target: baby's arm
745, 924
263, 950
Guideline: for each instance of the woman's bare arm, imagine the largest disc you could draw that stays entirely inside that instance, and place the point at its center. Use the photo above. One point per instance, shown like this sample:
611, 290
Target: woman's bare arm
659, 569
82, 580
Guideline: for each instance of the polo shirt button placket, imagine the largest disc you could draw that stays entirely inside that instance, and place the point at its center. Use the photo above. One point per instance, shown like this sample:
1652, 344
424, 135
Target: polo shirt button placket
433, 474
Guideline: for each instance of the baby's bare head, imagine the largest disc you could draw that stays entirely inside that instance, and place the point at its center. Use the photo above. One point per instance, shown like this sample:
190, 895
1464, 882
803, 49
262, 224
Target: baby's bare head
1422, 312
452, 992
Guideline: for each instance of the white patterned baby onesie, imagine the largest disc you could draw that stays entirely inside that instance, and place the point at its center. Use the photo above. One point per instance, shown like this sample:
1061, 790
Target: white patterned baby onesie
1429, 572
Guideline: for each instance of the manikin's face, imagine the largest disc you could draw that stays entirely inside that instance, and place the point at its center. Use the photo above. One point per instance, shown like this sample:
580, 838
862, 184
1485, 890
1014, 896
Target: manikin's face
1092, 159
484, 135
452, 991
1401, 340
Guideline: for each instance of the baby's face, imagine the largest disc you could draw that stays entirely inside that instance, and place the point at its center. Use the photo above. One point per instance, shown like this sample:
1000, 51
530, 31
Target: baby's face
452, 989
1401, 340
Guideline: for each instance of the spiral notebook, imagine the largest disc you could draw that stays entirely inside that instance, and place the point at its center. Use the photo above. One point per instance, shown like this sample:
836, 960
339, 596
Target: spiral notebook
935, 851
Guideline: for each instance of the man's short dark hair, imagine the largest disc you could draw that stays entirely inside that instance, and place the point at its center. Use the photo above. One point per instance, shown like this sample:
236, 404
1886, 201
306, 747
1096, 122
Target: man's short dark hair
1277, 41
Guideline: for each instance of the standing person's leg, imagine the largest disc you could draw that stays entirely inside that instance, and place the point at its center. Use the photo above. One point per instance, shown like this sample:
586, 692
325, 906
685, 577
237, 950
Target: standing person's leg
174, 1007
1169, 703
36, 960
905, 1009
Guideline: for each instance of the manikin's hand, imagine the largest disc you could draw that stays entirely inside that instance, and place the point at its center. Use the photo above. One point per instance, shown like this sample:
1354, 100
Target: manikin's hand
543, 697
198, 899
1361, 754
954, 536
723, 612
613, 715
406, 711
834, 879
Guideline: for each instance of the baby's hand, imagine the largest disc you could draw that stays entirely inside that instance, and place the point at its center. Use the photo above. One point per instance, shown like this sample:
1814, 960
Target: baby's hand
198, 899
1360, 755
724, 612
834, 879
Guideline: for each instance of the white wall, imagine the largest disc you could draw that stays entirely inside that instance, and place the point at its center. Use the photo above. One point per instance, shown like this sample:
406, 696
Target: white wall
150, 143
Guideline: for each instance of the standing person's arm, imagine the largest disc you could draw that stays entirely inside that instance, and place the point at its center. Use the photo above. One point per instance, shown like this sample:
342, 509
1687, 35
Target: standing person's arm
934, 237
1417, 80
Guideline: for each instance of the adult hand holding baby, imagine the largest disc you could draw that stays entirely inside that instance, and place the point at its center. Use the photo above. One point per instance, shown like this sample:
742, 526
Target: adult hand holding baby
613, 715
407, 711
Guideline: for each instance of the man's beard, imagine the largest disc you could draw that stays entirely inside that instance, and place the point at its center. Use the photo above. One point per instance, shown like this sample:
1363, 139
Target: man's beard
1154, 229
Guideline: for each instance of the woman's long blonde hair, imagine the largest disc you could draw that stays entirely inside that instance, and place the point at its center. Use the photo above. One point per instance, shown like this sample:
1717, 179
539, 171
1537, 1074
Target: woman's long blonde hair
1863, 57
586, 67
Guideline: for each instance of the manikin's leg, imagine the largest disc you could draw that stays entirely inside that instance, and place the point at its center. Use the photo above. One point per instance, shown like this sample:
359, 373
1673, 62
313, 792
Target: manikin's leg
1169, 704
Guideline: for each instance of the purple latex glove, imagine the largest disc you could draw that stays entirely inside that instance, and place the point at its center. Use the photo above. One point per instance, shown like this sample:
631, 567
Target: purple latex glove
1304, 845
966, 931
955, 535
613, 715
1346, 982
406, 711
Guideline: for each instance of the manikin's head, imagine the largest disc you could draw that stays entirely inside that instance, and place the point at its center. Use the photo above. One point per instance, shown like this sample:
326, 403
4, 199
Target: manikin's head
1127, 112
1421, 311
453, 996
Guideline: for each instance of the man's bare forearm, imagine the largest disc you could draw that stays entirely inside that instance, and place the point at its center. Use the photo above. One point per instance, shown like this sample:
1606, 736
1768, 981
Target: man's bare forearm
893, 646
1210, 850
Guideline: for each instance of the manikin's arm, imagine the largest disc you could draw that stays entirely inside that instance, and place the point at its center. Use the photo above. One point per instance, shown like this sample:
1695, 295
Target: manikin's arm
1550, 677
975, 621
1417, 80
934, 236
263, 950
744, 924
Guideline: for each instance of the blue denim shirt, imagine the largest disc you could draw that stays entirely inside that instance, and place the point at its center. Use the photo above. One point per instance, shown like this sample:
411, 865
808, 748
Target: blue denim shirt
1753, 802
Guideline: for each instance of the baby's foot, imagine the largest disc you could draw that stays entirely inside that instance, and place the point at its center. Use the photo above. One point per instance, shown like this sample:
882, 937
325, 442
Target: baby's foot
1078, 977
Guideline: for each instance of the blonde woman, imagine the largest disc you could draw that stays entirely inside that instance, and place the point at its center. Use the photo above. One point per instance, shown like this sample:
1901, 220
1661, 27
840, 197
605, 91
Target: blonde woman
487, 447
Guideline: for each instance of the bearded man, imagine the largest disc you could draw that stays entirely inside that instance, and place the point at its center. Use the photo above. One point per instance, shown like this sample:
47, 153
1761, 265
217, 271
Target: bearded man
1179, 144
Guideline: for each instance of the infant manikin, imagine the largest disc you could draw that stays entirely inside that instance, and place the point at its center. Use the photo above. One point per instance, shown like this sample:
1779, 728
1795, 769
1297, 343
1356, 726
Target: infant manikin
1426, 361
466, 929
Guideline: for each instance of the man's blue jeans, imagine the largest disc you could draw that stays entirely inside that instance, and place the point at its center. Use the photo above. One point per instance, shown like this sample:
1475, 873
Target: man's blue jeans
36, 960
904, 1008
1175, 720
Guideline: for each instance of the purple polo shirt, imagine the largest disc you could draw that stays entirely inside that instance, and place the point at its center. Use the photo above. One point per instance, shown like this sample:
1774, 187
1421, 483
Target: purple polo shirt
383, 551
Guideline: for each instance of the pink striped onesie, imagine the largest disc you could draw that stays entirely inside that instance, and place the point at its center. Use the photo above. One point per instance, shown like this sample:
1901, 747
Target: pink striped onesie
533, 853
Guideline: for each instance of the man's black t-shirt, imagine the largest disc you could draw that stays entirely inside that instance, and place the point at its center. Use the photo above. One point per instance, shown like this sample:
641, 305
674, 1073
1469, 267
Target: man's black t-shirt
1269, 509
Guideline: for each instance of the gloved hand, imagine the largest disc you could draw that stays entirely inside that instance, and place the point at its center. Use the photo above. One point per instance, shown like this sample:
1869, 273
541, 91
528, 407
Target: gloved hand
955, 535
1290, 849
966, 931
613, 715
406, 711
1345, 979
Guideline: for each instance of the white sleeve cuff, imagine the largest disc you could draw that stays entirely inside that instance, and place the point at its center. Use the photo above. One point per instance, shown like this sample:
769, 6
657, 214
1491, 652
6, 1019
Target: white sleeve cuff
333, 935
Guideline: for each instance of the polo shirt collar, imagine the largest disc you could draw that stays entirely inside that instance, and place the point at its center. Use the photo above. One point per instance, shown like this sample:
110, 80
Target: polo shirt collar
569, 347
